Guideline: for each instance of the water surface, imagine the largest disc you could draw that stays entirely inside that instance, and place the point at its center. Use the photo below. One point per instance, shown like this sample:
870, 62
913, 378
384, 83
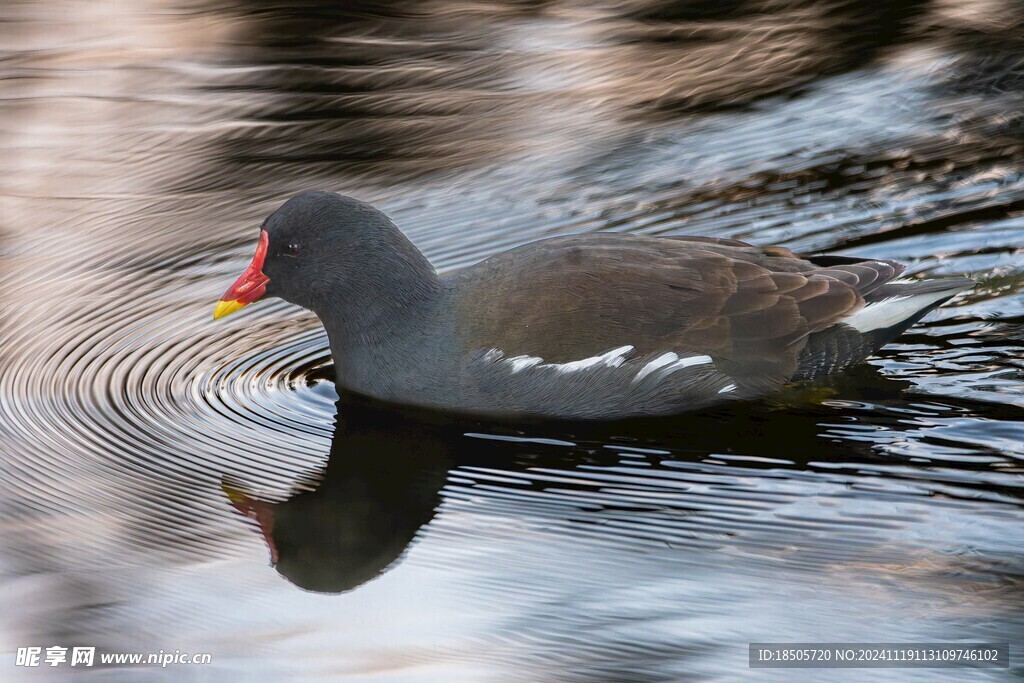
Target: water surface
167, 482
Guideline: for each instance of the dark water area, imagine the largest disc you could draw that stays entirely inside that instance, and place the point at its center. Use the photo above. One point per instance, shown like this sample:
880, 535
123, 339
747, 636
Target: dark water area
168, 482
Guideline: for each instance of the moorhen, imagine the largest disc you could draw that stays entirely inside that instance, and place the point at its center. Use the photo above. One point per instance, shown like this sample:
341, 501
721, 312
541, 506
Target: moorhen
594, 326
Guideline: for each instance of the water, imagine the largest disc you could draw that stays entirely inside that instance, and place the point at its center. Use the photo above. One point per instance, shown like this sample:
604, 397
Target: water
154, 461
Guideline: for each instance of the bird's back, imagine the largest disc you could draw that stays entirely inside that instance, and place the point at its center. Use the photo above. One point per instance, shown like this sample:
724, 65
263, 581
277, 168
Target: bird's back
612, 325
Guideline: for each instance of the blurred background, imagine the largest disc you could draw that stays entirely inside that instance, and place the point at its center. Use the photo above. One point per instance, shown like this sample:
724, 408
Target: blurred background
171, 483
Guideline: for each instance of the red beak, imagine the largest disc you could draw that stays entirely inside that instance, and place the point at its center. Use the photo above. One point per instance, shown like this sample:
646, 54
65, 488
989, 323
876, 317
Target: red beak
262, 513
250, 286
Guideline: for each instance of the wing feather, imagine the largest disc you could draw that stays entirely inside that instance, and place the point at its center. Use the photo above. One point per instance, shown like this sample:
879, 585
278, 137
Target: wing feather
751, 309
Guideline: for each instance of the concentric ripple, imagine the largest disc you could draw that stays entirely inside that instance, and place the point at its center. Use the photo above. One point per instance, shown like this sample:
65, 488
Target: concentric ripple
116, 398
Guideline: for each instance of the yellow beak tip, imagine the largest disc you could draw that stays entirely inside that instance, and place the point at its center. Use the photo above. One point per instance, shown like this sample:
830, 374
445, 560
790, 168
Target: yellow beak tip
225, 308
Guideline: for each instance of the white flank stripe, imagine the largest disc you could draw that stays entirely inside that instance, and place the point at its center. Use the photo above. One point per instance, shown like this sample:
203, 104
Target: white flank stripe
612, 359
659, 362
687, 362
670, 362
892, 311
727, 388
522, 362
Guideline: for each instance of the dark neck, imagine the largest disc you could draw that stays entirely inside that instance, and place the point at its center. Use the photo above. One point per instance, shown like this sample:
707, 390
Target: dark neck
383, 311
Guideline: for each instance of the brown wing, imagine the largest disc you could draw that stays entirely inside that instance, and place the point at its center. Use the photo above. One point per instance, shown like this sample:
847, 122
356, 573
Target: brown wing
749, 308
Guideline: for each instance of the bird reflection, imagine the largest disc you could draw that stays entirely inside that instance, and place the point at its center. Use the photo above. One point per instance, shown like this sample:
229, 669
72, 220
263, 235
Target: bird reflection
381, 484
386, 469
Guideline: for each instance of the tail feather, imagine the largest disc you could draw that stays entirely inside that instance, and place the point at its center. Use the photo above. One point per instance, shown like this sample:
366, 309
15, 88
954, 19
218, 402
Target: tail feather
913, 287
898, 304
890, 309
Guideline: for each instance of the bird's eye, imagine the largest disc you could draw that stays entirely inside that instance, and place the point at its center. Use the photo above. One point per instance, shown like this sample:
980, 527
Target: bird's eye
292, 250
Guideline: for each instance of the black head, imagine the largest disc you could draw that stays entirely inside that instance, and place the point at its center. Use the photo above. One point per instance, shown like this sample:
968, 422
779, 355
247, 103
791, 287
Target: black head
324, 251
